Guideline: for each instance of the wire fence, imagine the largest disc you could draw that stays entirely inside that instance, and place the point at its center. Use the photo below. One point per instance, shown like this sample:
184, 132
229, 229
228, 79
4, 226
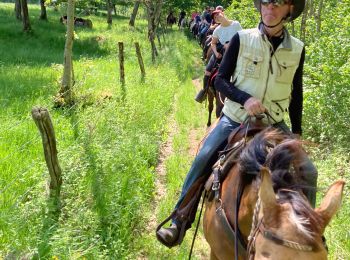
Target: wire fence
15, 151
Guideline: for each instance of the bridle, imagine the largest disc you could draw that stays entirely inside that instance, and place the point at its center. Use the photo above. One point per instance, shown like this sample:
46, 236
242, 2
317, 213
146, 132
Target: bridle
258, 227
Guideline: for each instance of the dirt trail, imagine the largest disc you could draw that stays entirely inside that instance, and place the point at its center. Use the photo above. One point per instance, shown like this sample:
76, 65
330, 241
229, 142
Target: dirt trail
166, 150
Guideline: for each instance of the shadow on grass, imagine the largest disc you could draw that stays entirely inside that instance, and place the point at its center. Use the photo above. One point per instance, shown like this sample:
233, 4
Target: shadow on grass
95, 172
45, 45
97, 176
50, 225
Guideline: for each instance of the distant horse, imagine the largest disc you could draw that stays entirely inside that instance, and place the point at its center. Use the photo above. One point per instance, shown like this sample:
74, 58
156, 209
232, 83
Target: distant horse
213, 94
194, 27
170, 20
207, 50
275, 219
78, 21
183, 23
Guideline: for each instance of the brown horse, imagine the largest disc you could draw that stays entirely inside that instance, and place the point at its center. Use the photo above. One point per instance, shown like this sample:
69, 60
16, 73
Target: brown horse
275, 219
213, 94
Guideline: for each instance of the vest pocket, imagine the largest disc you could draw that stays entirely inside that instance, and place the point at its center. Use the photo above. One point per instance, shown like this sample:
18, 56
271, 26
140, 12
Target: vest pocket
279, 107
286, 71
252, 65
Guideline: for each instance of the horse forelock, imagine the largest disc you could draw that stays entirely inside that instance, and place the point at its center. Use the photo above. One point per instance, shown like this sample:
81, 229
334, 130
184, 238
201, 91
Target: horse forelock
307, 221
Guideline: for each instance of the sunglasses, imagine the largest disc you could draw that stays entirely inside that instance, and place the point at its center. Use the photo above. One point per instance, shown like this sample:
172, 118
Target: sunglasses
274, 2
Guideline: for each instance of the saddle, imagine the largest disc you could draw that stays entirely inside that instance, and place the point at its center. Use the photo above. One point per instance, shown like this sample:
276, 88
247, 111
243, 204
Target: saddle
228, 157
186, 212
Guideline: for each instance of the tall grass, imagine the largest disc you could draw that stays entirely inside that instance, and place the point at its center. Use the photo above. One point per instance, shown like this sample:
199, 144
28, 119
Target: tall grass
108, 142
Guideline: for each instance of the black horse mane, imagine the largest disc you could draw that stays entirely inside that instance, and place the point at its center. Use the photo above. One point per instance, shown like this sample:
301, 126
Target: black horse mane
279, 152
273, 149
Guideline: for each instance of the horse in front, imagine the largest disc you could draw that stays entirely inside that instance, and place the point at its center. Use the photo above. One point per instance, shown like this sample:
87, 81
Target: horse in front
259, 210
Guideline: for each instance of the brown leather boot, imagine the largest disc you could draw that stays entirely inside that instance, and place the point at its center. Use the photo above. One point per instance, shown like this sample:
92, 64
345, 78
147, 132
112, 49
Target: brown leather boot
202, 94
168, 236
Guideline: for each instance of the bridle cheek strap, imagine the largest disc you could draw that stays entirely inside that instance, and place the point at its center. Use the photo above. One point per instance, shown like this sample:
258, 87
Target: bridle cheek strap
283, 242
274, 238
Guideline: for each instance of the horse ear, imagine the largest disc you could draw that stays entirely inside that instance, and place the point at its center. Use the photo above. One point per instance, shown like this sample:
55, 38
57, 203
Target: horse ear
331, 202
268, 198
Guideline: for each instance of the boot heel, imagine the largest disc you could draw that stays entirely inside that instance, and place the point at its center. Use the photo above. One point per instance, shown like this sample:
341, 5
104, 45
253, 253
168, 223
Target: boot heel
201, 96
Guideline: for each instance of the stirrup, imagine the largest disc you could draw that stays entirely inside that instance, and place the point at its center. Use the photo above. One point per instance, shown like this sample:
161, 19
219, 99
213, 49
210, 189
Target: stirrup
181, 232
201, 96
163, 235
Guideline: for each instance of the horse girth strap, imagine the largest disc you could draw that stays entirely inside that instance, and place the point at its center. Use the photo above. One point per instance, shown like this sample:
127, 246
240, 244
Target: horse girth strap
234, 234
230, 232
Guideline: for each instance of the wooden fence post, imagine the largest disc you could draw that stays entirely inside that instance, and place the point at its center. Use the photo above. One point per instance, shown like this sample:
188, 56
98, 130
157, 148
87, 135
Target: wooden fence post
139, 57
43, 121
121, 62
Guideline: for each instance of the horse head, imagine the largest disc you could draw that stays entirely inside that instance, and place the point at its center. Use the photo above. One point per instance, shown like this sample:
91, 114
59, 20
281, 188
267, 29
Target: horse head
287, 227
273, 215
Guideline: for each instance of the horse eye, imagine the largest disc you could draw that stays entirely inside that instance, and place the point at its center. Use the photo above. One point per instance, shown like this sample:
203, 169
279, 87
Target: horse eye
265, 254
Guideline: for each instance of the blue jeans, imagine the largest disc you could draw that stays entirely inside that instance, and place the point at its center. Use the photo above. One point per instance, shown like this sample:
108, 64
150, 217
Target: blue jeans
204, 29
217, 140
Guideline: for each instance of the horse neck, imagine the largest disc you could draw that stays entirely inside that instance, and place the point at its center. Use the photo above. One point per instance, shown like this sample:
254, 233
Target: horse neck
247, 204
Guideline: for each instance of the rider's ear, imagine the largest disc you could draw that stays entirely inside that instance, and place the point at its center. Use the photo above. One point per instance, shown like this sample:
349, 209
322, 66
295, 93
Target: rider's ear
268, 200
331, 202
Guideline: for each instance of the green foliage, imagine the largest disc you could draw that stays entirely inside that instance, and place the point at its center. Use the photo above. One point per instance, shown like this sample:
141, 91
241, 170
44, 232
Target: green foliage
327, 98
244, 12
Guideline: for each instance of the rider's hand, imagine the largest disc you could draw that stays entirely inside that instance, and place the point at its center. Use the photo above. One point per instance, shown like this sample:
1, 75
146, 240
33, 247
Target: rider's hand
218, 55
254, 106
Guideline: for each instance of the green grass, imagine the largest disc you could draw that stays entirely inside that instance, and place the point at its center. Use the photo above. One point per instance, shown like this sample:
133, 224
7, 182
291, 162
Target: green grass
333, 165
108, 143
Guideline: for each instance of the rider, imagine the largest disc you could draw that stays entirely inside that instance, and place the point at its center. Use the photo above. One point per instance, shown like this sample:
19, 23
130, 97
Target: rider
221, 36
206, 22
181, 17
266, 66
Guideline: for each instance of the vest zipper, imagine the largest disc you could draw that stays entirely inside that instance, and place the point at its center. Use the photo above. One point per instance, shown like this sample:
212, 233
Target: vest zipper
270, 69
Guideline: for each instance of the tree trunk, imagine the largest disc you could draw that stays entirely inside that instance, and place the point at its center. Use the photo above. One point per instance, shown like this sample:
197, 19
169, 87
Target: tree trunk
18, 10
26, 22
154, 8
134, 13
109, 12
67, 78
318, 18
311, 8
303, 21
43, 15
